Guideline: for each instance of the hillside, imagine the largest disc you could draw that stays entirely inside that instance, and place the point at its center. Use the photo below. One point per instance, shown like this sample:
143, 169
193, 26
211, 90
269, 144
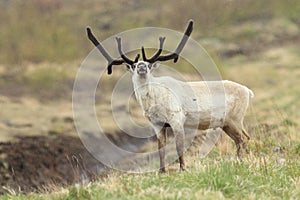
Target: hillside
255, 43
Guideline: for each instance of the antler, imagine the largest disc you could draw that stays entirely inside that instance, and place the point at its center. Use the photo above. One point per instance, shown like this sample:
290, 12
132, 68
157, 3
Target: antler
156, 57
126, 59
157, 54
175, 54
109, 59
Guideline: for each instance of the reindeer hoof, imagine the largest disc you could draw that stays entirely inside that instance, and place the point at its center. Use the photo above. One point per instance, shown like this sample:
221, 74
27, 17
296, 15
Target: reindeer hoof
162, 170
182, 169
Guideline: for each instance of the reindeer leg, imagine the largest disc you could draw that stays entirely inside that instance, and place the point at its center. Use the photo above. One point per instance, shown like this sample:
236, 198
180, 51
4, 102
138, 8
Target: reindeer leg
236, 134
179, 137
161, 139
180, 149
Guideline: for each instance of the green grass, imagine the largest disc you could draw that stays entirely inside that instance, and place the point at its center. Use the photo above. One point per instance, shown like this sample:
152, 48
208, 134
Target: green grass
256, 178
263, 174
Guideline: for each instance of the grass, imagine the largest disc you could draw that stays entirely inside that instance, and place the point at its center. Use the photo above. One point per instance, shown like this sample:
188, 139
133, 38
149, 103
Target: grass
45, 81
270, 171
54, 31
217, 178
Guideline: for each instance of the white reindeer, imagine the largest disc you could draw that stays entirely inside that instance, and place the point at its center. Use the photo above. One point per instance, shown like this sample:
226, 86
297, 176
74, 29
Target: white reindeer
168, 102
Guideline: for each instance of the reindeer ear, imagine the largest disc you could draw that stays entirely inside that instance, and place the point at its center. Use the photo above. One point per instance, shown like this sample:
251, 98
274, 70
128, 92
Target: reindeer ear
153, 66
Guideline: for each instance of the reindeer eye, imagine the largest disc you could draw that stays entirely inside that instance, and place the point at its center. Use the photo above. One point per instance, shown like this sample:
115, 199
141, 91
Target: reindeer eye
150, 65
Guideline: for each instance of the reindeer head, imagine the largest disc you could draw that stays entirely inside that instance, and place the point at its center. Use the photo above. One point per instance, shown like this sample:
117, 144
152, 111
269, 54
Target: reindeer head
144, 67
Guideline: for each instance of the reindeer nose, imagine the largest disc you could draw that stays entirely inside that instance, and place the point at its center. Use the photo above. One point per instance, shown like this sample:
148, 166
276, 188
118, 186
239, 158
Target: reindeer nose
142, 66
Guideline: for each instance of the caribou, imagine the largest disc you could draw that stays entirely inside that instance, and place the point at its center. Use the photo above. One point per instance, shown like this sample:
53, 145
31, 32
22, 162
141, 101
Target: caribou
168, 102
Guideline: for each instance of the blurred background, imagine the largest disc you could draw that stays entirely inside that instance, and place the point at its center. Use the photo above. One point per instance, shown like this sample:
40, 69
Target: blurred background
43, 42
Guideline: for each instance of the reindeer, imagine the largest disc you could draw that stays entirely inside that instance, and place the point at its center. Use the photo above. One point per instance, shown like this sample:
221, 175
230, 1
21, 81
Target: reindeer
168, 102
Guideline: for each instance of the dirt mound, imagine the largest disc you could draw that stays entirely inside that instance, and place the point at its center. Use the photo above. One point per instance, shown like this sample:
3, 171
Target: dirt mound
34, 162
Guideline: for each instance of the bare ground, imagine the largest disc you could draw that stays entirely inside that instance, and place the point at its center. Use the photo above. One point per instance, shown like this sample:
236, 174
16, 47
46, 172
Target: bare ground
33, 163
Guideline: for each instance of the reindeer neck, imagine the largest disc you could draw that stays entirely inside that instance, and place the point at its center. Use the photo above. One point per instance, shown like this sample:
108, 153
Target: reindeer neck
141, 81
142, 87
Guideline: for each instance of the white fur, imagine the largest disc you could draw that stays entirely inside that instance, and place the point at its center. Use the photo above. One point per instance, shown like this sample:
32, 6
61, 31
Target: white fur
178, 103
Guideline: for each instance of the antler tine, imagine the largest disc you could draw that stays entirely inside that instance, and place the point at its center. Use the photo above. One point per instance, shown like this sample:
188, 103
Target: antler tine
109, 59
137, 57
185, 37
126, 59
157, 54
144, 54
180, 46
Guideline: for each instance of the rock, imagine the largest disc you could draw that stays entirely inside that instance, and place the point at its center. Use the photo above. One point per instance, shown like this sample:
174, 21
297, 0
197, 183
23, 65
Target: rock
18, 124
281, 161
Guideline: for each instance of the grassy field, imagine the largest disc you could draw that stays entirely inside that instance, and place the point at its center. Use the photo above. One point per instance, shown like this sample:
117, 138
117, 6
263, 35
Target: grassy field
270, 171
255, 43
214, 178
54, 31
